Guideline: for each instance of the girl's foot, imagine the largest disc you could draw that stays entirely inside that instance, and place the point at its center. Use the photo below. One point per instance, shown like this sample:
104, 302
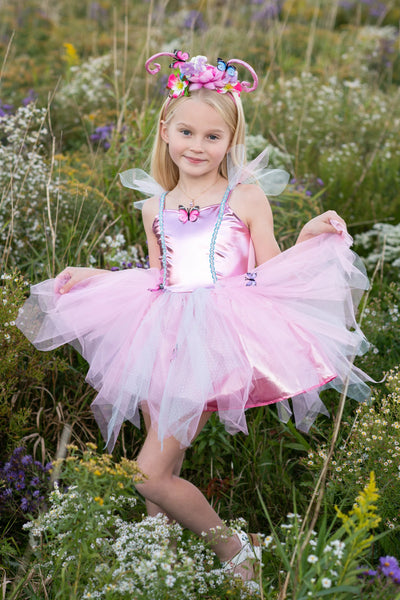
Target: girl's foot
247, 561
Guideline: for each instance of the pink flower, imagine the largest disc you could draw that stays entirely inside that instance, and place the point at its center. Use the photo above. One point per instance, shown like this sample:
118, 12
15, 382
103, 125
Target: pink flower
177, 86
210, 78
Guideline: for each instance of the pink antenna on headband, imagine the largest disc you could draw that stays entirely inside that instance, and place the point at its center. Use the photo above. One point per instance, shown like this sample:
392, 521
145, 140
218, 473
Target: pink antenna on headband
157, 66
245, 84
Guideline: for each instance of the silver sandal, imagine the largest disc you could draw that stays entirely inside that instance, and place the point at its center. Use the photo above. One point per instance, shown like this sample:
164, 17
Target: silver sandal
251, 549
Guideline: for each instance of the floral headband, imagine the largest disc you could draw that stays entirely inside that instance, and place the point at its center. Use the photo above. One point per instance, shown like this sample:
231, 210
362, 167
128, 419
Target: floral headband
196, 73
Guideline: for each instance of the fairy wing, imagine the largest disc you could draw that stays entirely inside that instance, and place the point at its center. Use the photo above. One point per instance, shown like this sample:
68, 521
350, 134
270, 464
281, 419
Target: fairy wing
137, 179
272, 181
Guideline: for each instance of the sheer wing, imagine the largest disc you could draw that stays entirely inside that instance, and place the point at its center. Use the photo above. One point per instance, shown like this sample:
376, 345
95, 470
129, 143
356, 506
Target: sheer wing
272, 181
137, 179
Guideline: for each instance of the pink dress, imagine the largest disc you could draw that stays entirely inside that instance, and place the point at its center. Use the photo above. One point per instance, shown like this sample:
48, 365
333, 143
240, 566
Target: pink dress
209, 331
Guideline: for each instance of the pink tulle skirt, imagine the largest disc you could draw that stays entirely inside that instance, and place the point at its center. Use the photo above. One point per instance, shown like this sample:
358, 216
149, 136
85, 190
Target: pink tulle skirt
287, 330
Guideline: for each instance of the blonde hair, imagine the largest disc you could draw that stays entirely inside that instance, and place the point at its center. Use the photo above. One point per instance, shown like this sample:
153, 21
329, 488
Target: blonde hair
228, 106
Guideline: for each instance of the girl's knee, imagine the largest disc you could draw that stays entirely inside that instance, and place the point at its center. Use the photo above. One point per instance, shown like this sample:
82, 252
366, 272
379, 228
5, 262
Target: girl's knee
151, 486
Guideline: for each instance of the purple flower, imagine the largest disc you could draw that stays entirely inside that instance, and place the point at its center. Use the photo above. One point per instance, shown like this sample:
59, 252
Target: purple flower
35, 482
26, 460
31, 97
5, 109
98, 13
388, 565
102, 136
24, 504
396, 576
195, 21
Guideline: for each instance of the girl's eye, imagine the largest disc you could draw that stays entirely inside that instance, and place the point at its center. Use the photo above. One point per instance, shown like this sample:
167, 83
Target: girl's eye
213, 137
185, 131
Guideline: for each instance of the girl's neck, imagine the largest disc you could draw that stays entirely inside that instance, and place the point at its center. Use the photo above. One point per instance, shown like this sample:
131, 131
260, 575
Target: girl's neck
199, 191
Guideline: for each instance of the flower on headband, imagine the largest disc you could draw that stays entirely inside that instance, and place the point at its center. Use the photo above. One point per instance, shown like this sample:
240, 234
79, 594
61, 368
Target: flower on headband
196, 73
177, 85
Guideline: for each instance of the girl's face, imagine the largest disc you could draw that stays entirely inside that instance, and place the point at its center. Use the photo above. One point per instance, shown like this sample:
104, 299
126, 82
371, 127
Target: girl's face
198, 138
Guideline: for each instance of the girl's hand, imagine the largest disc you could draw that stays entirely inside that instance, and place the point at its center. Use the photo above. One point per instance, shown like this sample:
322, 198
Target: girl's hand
321, 224
73, 275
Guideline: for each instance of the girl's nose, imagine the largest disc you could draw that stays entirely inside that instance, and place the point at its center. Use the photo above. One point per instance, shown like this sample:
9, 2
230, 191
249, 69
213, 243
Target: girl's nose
196, 144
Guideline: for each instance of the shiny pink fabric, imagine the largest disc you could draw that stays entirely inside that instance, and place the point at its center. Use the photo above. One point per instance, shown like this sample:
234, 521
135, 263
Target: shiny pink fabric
188, 245
258, 336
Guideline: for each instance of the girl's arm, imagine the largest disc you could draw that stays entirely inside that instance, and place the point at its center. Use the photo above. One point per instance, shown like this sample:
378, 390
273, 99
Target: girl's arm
74, 275
252, 207
149, 212
320, 224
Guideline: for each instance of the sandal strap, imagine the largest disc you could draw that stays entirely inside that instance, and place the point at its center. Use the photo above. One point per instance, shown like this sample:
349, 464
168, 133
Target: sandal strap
248, 550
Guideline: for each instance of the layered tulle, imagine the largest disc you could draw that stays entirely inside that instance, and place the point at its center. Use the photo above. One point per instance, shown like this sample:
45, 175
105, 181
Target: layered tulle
286, 330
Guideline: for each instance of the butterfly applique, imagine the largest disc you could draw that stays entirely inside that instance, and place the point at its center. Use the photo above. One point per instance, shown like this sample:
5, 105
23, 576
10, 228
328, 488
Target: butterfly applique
180, 57
225, 66
188, 214
250, 278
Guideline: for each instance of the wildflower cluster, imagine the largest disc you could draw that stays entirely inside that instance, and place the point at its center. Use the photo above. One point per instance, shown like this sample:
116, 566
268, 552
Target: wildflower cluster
383, 244
329, 112
87, 86
373, 443
24, 483
328, 560
384, 578
117, 256
24, 173
92, 522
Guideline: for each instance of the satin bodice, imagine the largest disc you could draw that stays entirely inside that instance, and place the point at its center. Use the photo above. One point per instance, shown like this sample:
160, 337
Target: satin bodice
188, 245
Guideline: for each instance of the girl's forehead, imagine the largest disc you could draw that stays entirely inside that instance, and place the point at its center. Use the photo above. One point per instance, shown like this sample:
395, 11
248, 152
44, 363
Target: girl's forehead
198, 111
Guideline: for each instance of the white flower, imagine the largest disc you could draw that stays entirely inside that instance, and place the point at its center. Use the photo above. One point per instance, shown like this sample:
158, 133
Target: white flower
312, 559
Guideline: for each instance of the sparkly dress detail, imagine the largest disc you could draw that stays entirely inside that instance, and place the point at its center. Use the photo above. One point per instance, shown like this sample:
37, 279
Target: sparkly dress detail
209, 330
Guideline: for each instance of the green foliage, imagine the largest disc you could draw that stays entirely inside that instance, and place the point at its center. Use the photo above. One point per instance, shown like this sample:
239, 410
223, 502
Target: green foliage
324, 563
23, 370
370, 441
92, 541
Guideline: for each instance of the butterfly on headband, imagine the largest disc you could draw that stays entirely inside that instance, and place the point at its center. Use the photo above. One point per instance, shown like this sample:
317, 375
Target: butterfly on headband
180, 57
188, 214
225, 66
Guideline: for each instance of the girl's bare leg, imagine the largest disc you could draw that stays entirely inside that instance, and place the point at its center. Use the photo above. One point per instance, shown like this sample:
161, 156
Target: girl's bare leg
152, 508
178, 498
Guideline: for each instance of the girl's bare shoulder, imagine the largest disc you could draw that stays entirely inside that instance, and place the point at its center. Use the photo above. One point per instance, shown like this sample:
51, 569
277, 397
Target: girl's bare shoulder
150, 210
249, 200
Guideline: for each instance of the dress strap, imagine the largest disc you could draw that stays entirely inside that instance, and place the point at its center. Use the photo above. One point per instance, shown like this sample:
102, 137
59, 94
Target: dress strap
215, 233
162, 237
217, 225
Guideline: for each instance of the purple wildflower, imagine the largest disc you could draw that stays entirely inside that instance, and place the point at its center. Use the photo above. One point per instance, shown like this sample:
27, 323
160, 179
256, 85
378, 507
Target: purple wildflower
24, 504
6, 109
31, 97
102, 136
194, 20
388, 565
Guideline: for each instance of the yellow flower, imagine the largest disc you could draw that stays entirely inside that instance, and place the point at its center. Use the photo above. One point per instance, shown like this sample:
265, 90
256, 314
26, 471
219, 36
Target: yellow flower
99, 500
71, 56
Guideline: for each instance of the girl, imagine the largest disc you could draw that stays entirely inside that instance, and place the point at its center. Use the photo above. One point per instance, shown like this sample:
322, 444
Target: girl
203, 329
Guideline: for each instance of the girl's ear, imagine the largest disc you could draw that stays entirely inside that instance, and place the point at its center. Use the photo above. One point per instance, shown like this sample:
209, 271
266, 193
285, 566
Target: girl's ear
164, 132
